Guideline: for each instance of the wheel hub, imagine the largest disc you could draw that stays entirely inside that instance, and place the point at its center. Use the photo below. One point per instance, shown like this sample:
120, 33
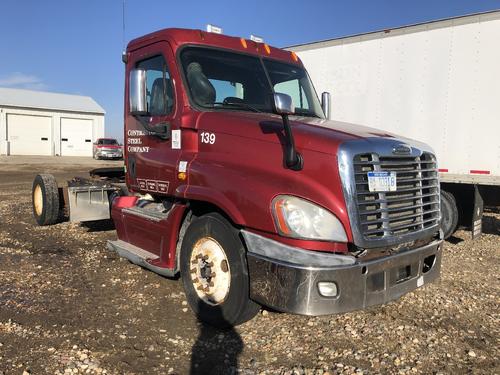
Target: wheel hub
210, 272
38, 200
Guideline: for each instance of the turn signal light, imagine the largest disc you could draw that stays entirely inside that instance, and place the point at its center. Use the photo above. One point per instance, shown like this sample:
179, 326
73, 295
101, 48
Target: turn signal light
181, 176
279, 209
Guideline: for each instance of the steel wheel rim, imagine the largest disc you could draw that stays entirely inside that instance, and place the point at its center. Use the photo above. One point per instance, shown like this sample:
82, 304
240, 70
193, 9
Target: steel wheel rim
210, 273
38, 200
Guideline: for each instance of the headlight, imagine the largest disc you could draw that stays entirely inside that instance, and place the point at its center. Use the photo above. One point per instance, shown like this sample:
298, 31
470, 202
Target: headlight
298, 218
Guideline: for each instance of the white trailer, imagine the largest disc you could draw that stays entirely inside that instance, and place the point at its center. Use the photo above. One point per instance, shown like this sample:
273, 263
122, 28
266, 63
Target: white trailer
438, 82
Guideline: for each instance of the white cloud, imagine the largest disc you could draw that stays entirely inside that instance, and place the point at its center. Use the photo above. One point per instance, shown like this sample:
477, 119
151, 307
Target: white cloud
23, 81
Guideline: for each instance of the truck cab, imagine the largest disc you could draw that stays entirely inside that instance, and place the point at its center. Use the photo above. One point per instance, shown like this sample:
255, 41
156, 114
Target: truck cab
238, 181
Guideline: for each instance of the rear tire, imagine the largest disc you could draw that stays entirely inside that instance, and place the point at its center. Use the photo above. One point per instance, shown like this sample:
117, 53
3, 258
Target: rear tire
449, 214
215, 274
45, 199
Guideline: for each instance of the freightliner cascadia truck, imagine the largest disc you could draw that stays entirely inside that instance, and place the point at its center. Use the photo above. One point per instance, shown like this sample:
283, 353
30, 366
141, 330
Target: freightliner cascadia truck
235, 179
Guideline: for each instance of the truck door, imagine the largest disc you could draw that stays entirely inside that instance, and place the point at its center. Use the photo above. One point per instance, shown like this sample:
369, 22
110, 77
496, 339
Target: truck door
150, 159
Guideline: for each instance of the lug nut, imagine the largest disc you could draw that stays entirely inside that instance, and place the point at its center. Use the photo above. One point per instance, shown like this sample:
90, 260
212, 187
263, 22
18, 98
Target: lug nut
223, 266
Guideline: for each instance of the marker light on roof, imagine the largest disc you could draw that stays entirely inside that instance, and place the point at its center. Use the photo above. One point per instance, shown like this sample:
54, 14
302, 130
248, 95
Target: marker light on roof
256, 38
268, 50
243, 42
214, 29
294, 56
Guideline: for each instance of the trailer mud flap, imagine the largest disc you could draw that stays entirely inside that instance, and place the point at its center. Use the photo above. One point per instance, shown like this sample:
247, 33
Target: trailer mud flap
477, 214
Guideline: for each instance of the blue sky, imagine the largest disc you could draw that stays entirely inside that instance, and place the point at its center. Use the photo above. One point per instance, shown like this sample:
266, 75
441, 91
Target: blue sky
75, 46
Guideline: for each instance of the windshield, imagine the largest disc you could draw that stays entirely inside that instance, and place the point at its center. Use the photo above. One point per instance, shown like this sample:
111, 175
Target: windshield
223, 80
107, 142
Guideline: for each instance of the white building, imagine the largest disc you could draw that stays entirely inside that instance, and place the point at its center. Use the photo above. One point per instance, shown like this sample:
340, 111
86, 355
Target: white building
46, 123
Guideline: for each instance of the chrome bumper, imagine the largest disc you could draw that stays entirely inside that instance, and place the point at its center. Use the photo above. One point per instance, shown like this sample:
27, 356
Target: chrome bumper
286, 278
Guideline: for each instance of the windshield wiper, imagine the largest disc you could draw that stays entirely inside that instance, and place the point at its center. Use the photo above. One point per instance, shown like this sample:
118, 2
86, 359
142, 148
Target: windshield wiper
239, 105
306, 114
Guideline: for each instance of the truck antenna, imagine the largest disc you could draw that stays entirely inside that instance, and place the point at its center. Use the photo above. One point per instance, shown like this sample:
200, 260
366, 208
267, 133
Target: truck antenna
124, 47
123, 25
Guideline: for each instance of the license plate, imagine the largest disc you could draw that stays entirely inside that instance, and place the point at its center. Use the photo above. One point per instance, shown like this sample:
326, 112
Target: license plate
381, 181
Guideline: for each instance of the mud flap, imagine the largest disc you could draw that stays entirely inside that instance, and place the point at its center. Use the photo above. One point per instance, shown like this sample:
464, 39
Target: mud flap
477, 214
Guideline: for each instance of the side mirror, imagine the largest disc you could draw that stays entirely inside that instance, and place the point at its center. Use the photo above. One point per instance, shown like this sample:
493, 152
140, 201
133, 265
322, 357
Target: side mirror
325, 104
138, 93
283, 104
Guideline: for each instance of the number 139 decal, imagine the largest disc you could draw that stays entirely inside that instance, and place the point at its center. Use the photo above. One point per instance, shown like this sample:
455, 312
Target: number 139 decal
207, 138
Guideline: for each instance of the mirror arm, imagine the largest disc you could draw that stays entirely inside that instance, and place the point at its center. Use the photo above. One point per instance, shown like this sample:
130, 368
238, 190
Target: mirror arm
166, 132
293, 160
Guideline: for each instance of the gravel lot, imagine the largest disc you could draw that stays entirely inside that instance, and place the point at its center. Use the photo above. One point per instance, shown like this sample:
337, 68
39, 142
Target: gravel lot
68, 305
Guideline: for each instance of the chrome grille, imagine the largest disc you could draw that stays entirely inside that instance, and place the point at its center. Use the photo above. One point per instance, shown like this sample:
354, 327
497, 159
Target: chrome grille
413, 207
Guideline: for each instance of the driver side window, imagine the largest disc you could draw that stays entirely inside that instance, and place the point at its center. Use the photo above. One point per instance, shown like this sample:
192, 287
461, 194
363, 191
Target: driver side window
160, 97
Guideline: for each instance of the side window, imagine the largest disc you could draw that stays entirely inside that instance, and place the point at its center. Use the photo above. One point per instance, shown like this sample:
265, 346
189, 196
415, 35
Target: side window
160, 93
295, 90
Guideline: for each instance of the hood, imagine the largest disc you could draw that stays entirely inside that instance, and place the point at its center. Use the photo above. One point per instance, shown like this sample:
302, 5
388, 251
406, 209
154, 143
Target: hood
309, 133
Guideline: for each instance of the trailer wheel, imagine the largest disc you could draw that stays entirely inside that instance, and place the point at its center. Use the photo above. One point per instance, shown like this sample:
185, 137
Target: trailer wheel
45, 199
449, 214
215, 274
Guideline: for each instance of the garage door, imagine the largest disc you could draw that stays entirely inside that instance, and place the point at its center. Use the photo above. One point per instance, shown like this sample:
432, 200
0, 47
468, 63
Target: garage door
76, 137
29, 135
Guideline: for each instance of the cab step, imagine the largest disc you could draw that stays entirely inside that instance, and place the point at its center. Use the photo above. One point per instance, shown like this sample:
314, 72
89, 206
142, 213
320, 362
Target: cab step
139, 256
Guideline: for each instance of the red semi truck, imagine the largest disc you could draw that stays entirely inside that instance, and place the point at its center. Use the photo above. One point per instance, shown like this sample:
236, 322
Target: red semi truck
235, 179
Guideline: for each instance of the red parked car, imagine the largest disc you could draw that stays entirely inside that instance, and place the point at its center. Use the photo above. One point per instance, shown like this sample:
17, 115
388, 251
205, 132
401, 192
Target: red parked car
107, 148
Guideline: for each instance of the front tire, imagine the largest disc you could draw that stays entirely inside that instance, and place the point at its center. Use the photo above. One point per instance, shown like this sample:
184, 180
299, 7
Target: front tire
45, 199
215, 274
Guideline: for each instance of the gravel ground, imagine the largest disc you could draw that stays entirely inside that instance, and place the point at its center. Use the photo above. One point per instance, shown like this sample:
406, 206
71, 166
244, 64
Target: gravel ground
68, 305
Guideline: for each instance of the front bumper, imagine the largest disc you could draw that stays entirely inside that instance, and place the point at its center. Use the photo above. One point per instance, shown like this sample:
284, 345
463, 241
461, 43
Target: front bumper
286, 278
